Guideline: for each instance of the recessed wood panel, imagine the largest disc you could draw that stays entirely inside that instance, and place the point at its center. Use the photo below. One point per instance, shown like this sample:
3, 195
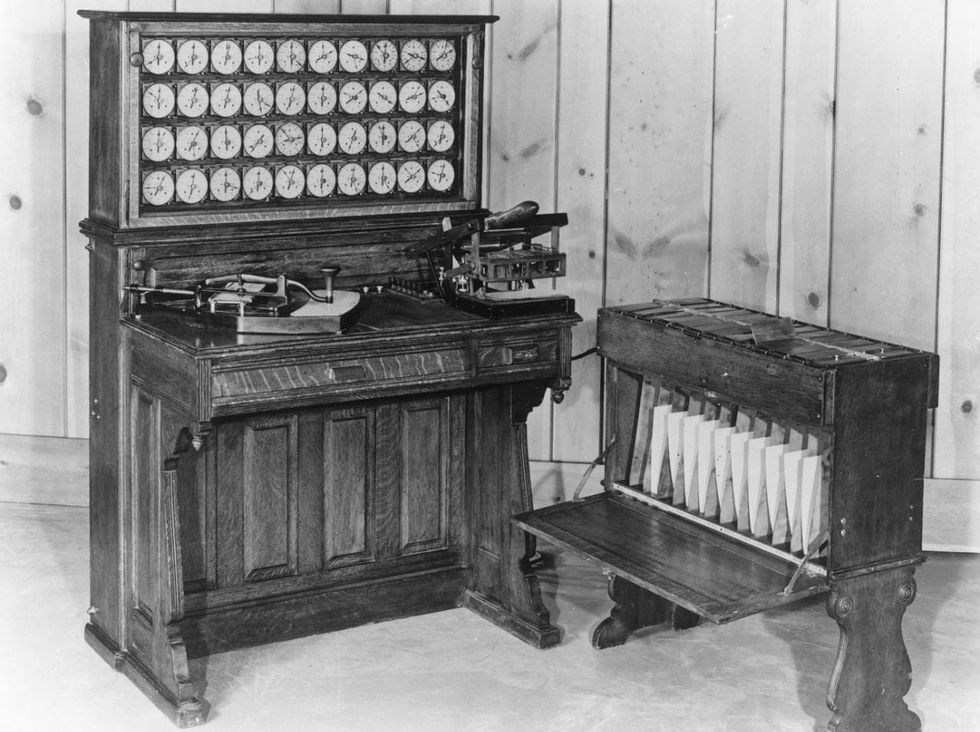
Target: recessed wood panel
144, 476
348, 486
269, 498
424, 479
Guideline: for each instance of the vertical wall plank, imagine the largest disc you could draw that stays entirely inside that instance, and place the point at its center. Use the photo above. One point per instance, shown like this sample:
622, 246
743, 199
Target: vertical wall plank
583, 83
363, 7
32, 336
886, 180
659, 149
223, 6
807, 172
957, 445
306, 6
747, 152
439, 7
522, 78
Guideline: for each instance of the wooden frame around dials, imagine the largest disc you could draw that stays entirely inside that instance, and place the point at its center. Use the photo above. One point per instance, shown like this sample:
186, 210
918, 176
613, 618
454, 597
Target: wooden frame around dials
117, 141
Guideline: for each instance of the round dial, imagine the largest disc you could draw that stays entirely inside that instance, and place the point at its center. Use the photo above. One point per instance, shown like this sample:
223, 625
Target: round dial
192, 57
158, 100
321, 180
411, 136
158, 56
192, 99
441, 135
290, 56
257, 183
259, 56
158, 188
384, 55
382, 136
353, 56
411, 176
192, 142
226, 184
226, 57
441, 175
413, 55
352, 138
289, 139
353, 97
381, 177
290, 98
290, 181
442, 55
226, 99
442, 96
321, 139
258, 141
323, 56
383, 97
192, 186
259, 98
158, 144
411, 96
321, 98
351, 179
226, 142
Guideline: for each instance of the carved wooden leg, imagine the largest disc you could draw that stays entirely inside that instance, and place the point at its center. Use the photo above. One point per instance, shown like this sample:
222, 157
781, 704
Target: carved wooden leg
637, 608
872, 672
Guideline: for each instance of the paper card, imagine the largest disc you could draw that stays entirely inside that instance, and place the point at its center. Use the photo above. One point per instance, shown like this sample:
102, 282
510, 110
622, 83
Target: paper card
691, 424
793, 476
675, 453
658, 449
810, 480
639, 472
758, 510
776, 494
740, 478
723, 474
707, 491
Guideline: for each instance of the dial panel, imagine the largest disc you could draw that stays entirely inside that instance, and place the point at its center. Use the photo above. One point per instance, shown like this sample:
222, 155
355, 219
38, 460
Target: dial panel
230, 122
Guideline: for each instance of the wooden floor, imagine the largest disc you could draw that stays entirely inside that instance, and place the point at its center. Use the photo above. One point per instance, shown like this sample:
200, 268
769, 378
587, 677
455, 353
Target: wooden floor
454, 671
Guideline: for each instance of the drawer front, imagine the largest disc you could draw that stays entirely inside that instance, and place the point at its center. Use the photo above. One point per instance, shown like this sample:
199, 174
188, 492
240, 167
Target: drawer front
319, 376
510, 354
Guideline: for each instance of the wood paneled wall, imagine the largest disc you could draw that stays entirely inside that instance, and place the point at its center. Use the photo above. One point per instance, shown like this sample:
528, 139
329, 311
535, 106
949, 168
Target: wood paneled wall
819, 159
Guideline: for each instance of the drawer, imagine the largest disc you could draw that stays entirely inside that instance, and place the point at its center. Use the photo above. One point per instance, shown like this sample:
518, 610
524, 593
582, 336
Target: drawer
511, 353
309, 377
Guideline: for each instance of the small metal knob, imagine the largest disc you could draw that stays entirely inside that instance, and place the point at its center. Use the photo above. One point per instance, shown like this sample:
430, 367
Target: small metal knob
328, 275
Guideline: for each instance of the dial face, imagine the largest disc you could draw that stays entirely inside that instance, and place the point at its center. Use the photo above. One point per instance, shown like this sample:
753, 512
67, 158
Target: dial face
441, 135
381, 178
290, 181
290, 139
158, 144
323, 56
351, 138
411, 176
192, 99
382, 136
383, 97
290, 56
258, 141
411, 136
226, 57
158, 100
290, 98
353, 97
226, 184
192, 57
257, 183
384, 55
442, 55
321, 98
158, 56
321, 139
321, 180
259, 98
441, 175
353, 56
351, 179
442, 96
192, 142
226, 142
411, 96
158, 188
259, 56
413, 55
192, 186
226, 99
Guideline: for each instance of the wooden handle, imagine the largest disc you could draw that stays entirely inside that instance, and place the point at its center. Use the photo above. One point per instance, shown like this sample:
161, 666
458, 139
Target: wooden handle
515, 214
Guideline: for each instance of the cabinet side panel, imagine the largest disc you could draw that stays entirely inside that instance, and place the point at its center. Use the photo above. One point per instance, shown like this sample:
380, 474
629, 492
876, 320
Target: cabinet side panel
107, 121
